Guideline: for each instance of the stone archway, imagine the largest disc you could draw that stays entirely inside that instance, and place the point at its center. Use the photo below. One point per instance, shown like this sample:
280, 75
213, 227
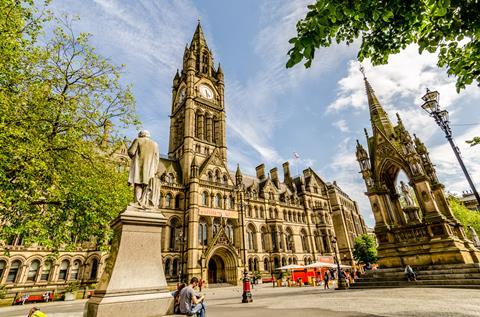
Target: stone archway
222, 266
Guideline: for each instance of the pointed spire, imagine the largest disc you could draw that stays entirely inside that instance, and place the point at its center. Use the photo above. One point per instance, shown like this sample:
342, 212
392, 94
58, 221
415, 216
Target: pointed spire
198, 37
219, 72
378, 116
238, 175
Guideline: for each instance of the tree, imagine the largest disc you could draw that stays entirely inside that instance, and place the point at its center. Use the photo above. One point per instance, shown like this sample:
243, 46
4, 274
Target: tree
365, 249
448, 27
464, 215
61, 107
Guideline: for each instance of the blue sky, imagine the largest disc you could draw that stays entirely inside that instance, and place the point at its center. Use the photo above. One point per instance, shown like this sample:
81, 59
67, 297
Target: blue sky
271, 111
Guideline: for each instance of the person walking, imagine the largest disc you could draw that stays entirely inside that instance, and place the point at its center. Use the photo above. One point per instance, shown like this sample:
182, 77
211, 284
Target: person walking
326, 279
192, 303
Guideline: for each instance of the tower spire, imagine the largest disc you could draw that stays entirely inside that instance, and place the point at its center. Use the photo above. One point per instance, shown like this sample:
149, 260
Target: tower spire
378, 116
198, 39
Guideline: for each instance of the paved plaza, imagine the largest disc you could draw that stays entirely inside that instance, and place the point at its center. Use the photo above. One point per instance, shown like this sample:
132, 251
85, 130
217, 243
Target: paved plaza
310, 301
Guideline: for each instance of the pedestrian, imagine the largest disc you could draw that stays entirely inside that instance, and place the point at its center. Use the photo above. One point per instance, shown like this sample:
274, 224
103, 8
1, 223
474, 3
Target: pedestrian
35, 312
46, 296
24, 298
200, 284
192, 303
326, 279
176, 298
410, 274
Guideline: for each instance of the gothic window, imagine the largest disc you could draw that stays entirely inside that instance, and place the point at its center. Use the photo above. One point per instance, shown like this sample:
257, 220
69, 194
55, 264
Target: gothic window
13, 272
210, 176
249, 211
168, 201
303, 238
62, 273
225, 180
167, 267
255, 265
216, 131
202, 232
273, 235
264, 239
290, 216
204, 199
315, 189
230, 202
170, 178
262, 214
75, 269
250, 265
290, 261
175, 267
276, 214
218, 201
177, 201
174, 233
284, 261
46, 269
249, 239
94, 270
33, 271
265, 264
216, 226
271, 213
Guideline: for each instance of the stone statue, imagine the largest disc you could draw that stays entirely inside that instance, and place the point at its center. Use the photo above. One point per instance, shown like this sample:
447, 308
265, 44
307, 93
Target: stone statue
406, 194
145, 157
475, 239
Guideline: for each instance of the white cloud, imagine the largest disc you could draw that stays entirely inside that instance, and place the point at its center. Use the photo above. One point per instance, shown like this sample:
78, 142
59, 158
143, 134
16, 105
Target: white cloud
341, 125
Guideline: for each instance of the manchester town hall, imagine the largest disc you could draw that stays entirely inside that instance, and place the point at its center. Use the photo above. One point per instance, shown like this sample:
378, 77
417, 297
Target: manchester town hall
286, 218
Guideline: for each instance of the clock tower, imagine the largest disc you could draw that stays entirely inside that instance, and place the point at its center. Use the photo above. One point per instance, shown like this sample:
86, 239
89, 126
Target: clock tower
197, 120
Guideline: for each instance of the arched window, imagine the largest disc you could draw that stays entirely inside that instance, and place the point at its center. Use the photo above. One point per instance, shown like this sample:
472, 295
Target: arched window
290, 261
13, 272
250, 245
284, 261
62, 273
225, 180
218, 179
303, 238
3, 264
202, 232
230, 202
168, 201
174, 232
33, 271
204, 199
250, 265
177, 201
262, 214
264, 239
216, 226
175, 267
255, 265
249, 211
167, 267
75, 269
94, 270
265, 264
218, 201
46, 269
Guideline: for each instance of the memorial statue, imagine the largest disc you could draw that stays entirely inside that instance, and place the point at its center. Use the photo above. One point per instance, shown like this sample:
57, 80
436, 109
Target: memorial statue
145, 157
406, 194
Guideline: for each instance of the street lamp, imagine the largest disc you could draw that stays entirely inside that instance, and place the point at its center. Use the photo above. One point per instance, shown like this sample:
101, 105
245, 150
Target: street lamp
247, 294
340, 284
432, 107
181, 240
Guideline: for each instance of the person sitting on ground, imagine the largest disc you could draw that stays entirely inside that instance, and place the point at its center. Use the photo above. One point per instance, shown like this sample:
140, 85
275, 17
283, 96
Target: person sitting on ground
192, 303
35, 312
411, 276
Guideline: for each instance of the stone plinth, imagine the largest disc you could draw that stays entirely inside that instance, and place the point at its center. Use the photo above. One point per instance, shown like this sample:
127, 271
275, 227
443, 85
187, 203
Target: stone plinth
133, 282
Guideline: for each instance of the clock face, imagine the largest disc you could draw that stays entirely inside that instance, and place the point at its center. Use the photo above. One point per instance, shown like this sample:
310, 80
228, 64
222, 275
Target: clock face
206, 92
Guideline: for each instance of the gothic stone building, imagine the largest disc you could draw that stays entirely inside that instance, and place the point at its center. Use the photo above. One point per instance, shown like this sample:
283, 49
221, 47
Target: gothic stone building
285, 222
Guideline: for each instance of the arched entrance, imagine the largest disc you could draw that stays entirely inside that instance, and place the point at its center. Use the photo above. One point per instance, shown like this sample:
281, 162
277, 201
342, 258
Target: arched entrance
222, 266
216, 270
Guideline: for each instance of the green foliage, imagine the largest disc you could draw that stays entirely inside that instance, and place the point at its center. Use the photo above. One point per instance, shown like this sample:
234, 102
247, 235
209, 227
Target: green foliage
464, 215
448, 27
365, 249
474, 141
3, 291
58, 183
72, 287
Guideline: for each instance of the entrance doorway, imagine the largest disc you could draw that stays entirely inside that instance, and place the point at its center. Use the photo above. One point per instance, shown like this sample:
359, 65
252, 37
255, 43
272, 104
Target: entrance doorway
216, 270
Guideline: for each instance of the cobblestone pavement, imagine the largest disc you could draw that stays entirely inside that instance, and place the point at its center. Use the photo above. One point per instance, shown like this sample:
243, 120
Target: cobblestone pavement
310, 301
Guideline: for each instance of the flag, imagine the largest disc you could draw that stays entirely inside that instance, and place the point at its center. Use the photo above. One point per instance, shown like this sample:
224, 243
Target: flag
296, 155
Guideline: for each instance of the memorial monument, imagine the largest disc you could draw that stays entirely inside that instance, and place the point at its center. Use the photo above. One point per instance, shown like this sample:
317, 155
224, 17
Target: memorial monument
423, 232
133, 282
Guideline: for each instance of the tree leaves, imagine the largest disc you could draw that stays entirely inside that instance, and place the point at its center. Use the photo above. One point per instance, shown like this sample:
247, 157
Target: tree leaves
365, 249
59, 186
449, 28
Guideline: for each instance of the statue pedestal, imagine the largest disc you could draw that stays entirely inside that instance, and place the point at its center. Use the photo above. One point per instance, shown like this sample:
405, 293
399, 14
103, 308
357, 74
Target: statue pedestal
133, 282
412, 213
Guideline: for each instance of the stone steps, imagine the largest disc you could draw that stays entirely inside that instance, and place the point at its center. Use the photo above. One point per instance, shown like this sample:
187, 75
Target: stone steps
458, 276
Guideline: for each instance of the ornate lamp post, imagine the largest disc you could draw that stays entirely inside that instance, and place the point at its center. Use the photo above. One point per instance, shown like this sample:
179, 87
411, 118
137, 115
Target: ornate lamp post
247, 294
432, 107
341, 284
181, 240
